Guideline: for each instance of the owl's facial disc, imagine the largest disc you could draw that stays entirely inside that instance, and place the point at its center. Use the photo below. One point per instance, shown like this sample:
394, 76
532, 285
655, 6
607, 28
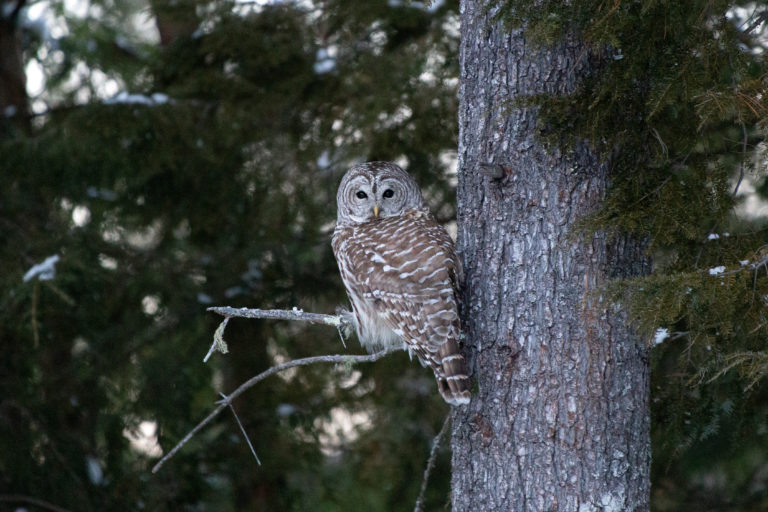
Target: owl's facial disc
391, 197
375, 190
361, 199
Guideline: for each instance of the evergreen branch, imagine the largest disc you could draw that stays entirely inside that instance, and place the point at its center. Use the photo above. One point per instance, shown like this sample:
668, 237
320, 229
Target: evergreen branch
80, 106
762, 262
327, 359
753, 331
654, 191
616, 4
431, 464
754, 365
751, 103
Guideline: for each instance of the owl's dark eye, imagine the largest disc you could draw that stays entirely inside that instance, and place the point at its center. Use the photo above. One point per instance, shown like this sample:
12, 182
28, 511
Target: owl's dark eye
361, 195
388, 193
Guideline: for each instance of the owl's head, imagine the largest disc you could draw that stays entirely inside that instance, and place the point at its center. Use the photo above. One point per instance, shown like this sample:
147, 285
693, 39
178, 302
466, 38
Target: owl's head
376, 190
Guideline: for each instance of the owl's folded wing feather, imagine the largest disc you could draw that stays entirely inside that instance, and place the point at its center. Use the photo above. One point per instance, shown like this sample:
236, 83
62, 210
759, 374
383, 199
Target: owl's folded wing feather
407, 267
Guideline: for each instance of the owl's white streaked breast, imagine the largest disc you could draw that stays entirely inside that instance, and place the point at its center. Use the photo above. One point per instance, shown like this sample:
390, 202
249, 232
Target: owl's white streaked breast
374, 331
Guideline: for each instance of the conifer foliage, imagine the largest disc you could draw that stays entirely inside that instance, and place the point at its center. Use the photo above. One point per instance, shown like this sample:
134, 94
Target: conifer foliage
186, 154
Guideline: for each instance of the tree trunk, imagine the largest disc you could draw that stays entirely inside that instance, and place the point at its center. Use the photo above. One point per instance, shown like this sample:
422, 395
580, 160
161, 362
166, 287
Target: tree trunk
13, 80
559, 420
174, 19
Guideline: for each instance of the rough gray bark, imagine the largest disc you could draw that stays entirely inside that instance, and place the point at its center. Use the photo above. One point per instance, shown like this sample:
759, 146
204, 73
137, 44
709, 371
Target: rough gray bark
560, 417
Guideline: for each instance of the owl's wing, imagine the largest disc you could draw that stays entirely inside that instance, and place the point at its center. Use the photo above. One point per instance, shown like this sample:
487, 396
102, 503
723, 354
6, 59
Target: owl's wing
410, 272
406, 269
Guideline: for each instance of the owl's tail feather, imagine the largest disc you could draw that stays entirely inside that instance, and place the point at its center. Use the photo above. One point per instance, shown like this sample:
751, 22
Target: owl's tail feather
453, 382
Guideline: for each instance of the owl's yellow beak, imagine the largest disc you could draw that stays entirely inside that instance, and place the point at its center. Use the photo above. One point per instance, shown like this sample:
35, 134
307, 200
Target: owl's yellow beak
376, 210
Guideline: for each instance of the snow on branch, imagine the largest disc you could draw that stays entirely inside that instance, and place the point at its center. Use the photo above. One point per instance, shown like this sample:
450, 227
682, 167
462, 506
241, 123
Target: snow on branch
125, 98
744, 265
44, 271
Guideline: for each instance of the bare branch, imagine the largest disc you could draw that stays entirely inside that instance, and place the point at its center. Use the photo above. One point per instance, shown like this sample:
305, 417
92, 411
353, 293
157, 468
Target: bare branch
431, 464
279, 314
20, 498
328, 359
339, 321
760, 18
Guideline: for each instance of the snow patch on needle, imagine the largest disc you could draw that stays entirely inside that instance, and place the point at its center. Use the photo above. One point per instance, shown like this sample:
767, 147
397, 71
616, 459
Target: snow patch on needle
661, 334
325, 60
124, 98
44, 271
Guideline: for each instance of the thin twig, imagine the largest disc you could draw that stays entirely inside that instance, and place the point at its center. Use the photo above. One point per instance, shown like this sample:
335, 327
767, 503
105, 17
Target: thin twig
431, 464
678, 334
225, 400
20, 498
341, 336
743, 157
35, 331
332, 359
651, 192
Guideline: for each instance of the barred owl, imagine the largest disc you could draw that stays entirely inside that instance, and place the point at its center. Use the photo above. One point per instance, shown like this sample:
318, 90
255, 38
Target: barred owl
400, 271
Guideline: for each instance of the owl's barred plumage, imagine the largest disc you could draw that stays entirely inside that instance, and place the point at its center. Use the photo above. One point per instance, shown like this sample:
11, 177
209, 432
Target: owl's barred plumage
401, 272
